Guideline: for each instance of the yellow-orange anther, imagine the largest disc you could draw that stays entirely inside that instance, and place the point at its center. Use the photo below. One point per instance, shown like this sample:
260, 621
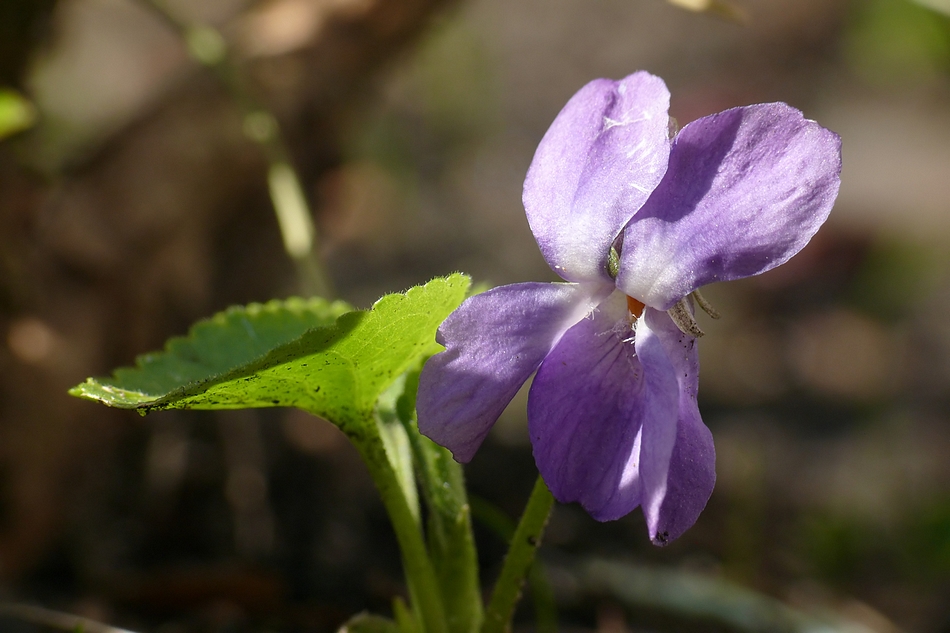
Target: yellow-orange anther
635, 307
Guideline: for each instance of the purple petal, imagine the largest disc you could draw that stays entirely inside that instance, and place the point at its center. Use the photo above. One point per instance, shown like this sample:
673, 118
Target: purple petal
598, 413
745, 190
494, 341
595, 167
692, 465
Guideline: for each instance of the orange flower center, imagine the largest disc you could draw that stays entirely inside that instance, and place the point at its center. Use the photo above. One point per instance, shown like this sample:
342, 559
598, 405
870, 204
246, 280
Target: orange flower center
635, 307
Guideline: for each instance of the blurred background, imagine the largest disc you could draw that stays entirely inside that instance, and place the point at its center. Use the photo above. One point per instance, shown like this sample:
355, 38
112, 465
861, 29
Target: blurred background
134, 201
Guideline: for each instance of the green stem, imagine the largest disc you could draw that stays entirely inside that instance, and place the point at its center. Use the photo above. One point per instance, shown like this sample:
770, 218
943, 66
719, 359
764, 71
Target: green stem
207, 46
518, 561
55, 619
420, 574
545, 608
449, 528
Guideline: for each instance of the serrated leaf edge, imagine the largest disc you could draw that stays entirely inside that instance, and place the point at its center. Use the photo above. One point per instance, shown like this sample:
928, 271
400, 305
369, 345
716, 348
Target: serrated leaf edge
150, 403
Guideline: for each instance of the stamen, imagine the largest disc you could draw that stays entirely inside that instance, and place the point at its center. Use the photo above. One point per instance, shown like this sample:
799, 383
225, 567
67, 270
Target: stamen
635, 307
705, 305
613, 262
683, 318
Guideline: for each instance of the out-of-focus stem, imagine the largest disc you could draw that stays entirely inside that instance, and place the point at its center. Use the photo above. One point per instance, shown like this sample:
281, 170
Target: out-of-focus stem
294, 217
56, 619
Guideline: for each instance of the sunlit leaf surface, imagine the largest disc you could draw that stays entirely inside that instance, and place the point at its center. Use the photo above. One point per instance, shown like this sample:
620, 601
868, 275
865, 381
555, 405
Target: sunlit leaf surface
309, 354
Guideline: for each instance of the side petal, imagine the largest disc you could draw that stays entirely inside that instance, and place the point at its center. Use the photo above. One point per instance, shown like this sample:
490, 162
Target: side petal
494, 341
745, 190
595, 167
591, 407
691, 470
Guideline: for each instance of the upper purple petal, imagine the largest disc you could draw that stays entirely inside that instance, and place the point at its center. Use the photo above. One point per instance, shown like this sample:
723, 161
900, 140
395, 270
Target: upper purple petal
745, 190
594, 407
494, 341
691, 471
595, 167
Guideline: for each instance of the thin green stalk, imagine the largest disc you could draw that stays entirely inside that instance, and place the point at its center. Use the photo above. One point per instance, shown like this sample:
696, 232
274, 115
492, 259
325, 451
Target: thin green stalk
404, 619
420, 574
207, 46
449, 528
545, 608
542, 595
449, 523
55, 619
519, 559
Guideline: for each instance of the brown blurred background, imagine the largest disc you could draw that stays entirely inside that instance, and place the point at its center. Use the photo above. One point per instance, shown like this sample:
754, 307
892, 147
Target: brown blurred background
137, 205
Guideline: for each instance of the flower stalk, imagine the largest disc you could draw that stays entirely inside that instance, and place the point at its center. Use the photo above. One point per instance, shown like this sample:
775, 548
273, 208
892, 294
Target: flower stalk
519, 559
420, 574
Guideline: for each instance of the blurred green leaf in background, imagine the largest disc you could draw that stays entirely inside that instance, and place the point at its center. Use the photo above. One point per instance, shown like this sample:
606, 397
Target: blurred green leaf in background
899, 42
16, 113
937, 5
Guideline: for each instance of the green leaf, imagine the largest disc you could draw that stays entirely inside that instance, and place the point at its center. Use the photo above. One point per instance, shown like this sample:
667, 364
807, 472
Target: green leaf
692, 601
16, 113
213, 348
288, 354
295, 354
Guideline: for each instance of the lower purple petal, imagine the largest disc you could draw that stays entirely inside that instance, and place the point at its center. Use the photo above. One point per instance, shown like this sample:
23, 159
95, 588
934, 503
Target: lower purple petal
692, 465
494, 341
659, 429
591, 406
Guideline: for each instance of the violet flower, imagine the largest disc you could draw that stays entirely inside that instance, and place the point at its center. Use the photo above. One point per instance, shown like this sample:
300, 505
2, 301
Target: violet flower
636, 223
